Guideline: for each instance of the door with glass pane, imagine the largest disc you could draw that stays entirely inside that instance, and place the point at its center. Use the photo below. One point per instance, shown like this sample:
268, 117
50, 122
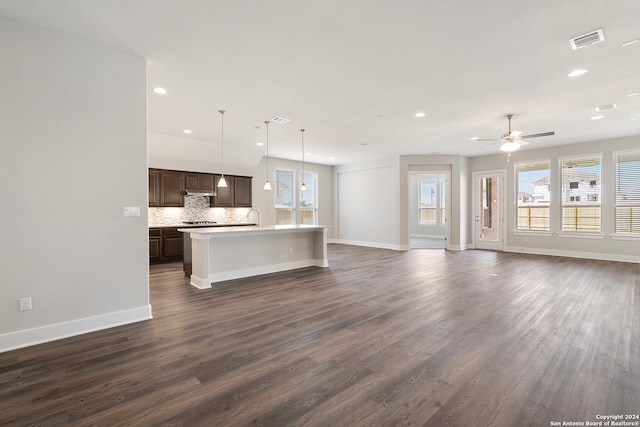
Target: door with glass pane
488, 210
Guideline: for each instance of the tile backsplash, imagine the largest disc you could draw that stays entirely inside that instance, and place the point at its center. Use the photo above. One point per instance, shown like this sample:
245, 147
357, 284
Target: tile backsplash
196, 208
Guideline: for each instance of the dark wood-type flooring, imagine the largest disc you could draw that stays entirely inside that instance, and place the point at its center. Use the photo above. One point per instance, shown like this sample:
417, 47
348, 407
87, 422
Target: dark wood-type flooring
381, 338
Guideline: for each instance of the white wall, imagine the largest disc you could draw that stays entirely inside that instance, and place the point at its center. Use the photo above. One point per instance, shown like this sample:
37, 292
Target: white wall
606, 246
197, 155
73, 120
367, 204
265, 200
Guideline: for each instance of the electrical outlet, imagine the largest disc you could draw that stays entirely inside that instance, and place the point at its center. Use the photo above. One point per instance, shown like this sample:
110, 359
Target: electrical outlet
25, 304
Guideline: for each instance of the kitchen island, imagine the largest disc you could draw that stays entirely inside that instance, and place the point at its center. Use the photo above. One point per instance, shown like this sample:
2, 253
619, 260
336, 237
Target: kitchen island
219, 254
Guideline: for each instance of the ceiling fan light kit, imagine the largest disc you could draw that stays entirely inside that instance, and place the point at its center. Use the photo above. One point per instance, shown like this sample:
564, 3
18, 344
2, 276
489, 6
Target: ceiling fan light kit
513, 140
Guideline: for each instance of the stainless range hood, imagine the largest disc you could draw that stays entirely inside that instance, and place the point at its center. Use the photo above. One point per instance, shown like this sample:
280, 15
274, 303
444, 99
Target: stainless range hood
205, 193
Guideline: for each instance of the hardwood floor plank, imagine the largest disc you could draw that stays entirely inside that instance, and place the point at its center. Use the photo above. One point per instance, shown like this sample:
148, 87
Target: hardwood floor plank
380, 338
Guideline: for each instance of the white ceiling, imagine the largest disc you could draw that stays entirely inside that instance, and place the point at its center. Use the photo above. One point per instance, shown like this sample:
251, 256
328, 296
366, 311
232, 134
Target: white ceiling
354, 72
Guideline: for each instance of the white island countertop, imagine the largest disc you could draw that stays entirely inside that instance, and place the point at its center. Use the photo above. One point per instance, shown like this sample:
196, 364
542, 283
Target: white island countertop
252, 229
217, 254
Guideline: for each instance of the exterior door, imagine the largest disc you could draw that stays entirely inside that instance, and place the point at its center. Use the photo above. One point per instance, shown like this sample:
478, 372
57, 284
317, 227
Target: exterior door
488, 210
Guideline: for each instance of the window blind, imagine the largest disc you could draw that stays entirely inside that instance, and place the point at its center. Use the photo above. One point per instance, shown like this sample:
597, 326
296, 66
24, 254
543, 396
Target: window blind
627, 192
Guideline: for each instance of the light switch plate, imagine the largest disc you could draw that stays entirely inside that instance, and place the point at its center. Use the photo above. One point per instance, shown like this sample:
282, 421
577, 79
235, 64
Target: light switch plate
131, 211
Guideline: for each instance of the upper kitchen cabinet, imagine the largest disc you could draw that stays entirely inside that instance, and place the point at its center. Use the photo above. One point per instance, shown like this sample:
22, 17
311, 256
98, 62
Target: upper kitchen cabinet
199, 181
225, 196
237, 193
172, 185
243, 191
154, 188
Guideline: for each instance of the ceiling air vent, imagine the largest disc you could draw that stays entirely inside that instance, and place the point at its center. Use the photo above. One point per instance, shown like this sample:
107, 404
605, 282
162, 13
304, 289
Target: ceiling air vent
590, 38
279, 119
607, 107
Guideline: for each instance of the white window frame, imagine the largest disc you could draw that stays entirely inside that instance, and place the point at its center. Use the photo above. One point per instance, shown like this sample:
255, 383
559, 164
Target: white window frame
546, 205
301, 195
297, 194
567, 204
441, 202
621, 202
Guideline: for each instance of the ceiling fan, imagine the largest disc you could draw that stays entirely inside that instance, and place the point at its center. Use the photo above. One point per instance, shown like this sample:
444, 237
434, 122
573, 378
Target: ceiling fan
513, 140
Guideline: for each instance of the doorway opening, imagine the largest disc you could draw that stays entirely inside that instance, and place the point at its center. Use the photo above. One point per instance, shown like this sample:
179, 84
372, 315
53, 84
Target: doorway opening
489, 210
428, 210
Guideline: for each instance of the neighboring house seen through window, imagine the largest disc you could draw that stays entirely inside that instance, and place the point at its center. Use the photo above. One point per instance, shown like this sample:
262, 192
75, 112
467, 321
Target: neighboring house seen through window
581, 184
534, 194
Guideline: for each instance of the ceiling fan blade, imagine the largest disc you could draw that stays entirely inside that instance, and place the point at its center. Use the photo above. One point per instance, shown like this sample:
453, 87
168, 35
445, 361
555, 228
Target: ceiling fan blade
497, 141
536, 135
486, 139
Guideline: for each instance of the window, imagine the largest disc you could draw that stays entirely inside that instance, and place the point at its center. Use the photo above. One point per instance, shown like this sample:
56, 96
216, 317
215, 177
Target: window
532, 206
290, 202
308, 199
581, 185
432, 201
284, 201
627, 192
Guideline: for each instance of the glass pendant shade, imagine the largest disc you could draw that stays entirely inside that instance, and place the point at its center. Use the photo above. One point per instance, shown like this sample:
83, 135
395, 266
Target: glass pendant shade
267, 186
509, 146
222, 182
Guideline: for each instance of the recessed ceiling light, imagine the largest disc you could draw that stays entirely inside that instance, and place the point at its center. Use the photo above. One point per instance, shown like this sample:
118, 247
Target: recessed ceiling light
630, 42
160, 90
420, 114
633, 94
636, 118
331, 158
578, 72
188, 131
475, 138
260, 144
597, 117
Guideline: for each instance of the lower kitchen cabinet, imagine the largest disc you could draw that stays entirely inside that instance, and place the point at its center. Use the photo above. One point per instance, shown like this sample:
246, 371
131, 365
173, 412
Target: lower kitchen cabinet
155, 244
165, 245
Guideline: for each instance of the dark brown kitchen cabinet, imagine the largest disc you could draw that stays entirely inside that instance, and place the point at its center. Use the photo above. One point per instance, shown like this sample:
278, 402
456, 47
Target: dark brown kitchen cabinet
225, 196
167, 188
172, 244
243, 191
236, 194
154, 188
155, 244
165, 245
171, 188
199, 181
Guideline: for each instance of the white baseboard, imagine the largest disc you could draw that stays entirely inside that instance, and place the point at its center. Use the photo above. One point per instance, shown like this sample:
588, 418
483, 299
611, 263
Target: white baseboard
264, 269
371, 244
574, 254
29, 337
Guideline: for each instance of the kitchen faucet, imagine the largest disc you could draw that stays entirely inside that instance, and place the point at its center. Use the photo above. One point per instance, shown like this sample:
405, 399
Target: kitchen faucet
259, 216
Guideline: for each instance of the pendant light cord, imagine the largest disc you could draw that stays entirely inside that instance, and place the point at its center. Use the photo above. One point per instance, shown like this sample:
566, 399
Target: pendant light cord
222, 141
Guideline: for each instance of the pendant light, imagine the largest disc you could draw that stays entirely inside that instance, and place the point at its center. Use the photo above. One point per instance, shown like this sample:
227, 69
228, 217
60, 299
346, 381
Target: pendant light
222, 182
267, 185
303, 187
